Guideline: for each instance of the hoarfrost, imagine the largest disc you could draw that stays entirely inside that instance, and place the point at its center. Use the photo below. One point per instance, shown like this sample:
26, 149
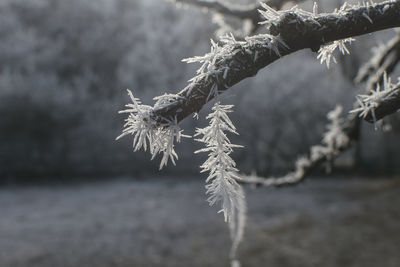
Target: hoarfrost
325, 53
147, 134
223, 174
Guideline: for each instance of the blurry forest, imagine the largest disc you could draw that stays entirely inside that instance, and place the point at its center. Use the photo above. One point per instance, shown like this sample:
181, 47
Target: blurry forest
65, 65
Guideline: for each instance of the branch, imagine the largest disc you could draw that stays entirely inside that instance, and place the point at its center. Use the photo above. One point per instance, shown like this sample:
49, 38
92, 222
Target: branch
238, 11
380, 106
388, 105
338, 138
379, 103
385, 59
291, 31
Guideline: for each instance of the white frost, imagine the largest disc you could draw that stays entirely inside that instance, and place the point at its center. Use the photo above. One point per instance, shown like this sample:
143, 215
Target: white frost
223, 174
147, 134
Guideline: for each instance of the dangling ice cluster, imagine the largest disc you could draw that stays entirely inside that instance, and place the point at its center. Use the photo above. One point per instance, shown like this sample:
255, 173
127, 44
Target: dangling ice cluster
147, 133
223, 175
368, 103
325, 53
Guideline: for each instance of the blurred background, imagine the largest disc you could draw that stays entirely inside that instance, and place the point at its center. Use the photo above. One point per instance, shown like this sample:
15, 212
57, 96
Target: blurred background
71, 195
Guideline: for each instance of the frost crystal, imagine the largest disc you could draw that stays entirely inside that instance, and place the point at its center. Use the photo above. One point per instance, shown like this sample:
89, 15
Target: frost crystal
223, 174
273, 17
325, 53
147, 134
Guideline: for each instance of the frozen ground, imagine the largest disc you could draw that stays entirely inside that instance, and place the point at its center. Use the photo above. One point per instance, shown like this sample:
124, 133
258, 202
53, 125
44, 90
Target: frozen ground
167, 223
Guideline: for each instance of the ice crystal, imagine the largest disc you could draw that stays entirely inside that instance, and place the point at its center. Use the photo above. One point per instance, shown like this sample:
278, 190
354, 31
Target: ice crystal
147, 134
273, 17
325, 53
222, 179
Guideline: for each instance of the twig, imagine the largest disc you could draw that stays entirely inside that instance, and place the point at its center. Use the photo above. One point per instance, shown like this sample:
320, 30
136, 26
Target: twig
384, 60
341, 136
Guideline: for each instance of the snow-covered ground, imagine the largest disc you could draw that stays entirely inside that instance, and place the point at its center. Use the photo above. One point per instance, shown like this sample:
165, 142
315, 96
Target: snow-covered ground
167, 223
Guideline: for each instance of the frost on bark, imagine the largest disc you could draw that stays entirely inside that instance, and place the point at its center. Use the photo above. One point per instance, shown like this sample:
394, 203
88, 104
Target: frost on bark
290, 31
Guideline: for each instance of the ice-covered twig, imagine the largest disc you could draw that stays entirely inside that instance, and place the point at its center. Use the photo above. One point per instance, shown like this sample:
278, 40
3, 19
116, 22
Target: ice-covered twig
385, 58
337, 138
380, 102
340, 136
235, 61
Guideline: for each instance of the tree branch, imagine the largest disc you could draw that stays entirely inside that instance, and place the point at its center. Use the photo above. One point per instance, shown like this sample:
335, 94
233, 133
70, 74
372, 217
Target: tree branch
291, 31
380, 104
238, 11
336, 140
383, 62
388, 103
385, 59
330, 150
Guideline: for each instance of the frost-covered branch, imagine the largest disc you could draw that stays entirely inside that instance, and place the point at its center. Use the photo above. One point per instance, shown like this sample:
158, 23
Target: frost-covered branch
291, 30
385, 58
374, 105
340, 135
380, 102
338, 138
249, 14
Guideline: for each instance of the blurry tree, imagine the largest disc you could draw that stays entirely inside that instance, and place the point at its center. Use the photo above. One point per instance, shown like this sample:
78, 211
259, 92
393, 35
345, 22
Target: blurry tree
62, 68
